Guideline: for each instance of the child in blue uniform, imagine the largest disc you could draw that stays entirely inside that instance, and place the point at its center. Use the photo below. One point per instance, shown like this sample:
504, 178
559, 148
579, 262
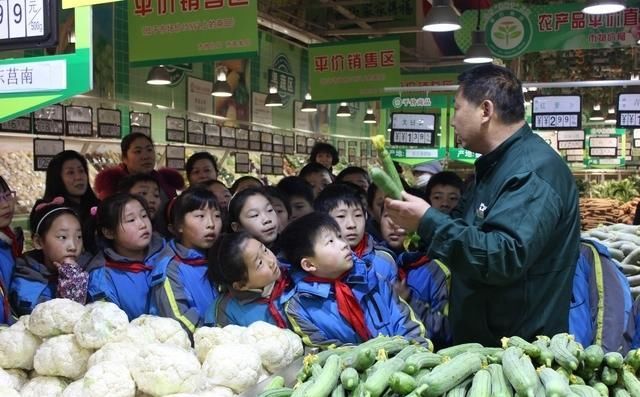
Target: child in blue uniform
300, 196
255, 287
10, 248
337, 299
147, 187
251, 211
183, 291
121, 273
342, 202
55, 269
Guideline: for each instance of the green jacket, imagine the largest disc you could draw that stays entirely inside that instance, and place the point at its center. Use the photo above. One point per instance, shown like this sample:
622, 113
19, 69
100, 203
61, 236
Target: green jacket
512, 244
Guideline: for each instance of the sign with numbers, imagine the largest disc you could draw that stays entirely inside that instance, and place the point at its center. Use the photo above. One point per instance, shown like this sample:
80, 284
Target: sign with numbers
49, 120
79, 121
175, 157
28, 24
109, 123
415, 129
628, 111
19, 124
557, 112
211, 134
140, 122
44, 150
243, 164
176, 129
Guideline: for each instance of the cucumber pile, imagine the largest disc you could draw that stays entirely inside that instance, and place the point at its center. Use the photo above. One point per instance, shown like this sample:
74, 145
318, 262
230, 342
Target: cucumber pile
555, 366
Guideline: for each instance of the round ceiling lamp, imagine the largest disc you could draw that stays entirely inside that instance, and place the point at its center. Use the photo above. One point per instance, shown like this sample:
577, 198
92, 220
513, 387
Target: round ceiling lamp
441, 18
158, 75
600, 7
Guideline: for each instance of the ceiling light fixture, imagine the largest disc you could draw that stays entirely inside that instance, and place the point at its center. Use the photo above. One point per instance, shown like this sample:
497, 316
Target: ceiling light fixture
221, 88
611, 117
307, 105
343, 110
597, 114
369, 118
442, 18
478, 52
158, 75
273, 99
599, 7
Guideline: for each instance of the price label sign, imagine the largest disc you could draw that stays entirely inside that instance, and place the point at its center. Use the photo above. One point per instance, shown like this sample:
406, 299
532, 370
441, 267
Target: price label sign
109, 123
175, 157
140, 122
195, 132
289, 144
20, 124
44, 150
414, 129
266, 164
211, 134
243, 165
176, 127
266, 139
558, 112
628, 111
570, 145
228, 137
242, 138
28, 24
49, 120
278, 143
79, 121
603, 152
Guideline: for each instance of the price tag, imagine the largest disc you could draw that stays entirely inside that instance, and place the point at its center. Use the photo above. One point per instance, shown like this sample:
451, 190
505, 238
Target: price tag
571, 135
278, 143
414, 129
289, 145
628, 119
19, 124
242, 138
228, 137
266, 139
109, 123
570, 145
413, 138
575, 158
28, 24
44, 150
352, 151
212, 134
175, 127
575, 152
603, 152
603, 142
49, 120
310, 144
175, 157
266, 164
636, 143
557, 112
195, 132
243, 165
79, 121
140, 122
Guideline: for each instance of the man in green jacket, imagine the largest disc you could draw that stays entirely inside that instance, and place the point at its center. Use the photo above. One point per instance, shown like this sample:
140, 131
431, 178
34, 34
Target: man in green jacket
512, 243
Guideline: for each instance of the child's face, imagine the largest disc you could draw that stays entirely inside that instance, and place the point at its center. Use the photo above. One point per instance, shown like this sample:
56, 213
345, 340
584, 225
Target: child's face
444, 197
151, 193
200, 228
351, 220
202, 171
392, 234
62, 243
262, 265
318, 181
376, 207
299, 207
259, 219
331, 256
74, 177
7, 207
358, 180
222, 194
134, 233
281, 212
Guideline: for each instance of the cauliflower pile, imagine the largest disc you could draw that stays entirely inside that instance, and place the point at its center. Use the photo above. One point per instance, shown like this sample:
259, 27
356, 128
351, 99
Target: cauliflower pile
65, 349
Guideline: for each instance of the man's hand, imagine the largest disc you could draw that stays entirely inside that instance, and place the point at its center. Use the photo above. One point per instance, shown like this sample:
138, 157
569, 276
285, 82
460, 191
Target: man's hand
407, 213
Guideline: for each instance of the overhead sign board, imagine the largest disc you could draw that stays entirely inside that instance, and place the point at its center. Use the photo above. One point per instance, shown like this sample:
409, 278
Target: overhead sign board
415, 129
557, 112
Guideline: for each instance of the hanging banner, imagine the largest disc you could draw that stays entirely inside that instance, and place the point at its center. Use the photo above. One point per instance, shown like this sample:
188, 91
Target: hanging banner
415, 102
513, 29
353, 70
165, 32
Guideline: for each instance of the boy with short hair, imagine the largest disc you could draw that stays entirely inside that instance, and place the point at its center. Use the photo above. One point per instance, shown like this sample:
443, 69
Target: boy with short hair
344, 205
147, 187
336, 299
356, 175
317, 176
300, 195
444, 190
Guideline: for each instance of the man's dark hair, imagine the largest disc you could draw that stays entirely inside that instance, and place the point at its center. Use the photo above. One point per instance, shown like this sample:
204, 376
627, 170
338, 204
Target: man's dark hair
299, 237
339, 193
313, 168
353, 170
444, 178
497, 84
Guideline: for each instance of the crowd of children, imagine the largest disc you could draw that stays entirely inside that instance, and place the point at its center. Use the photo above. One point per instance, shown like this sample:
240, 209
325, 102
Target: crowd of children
315, 253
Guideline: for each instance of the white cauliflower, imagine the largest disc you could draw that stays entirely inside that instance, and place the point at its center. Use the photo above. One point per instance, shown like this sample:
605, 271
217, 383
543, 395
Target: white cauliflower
217, 391
119, 352
272, 343
55, 317
234, 366
22, 323
44, 386
295, 342
61, 356
135, 335
163, 369
236, 331
206, 338
6, 391
17, 348
166, 330
108, 379
99, 324
74, 389
12, 378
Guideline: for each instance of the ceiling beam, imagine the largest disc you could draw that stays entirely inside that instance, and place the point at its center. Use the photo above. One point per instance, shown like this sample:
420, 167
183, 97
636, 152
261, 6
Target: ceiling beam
365, 20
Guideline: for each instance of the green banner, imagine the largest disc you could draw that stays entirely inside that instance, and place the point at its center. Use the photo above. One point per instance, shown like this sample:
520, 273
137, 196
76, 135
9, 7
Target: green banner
602, 135
416, 103
167, 32
428, 79
513, 29
354, 70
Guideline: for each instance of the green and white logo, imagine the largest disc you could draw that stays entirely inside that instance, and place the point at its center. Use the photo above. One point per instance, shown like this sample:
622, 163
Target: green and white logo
509, 31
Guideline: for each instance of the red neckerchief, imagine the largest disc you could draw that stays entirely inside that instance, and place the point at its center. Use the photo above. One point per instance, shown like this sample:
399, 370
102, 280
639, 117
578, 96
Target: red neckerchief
362, 246
278, 289
404, 270
348, 305
16, 246
133, 267
191, 262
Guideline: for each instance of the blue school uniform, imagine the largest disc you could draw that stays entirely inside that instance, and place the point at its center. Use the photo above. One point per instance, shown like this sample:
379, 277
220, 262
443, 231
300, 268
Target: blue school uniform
313, 309
125, 282
7, 266
380, 259
181, 289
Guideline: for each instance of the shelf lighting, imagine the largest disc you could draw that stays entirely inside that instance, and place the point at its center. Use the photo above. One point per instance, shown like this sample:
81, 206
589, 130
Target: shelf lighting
597, 114
369, 118
442, 18
611, 116
273, 99
343, 110
307, 105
